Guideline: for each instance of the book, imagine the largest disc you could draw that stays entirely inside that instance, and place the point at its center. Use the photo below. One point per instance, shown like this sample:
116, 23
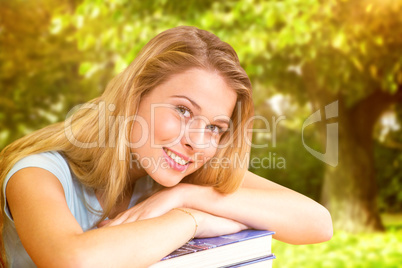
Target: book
264, 262
222, 251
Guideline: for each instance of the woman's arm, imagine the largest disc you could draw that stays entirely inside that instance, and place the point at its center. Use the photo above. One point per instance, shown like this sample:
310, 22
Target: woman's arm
52, 237
259, 204
263, 204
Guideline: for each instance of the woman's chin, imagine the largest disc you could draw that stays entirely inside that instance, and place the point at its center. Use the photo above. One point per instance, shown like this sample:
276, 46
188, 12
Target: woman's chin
168, 183
165, 179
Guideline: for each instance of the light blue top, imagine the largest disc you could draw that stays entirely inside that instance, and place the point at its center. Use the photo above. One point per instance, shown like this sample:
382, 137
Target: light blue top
76, 196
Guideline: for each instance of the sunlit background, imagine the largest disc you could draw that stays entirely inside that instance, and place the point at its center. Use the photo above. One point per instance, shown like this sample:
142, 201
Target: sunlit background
301, 56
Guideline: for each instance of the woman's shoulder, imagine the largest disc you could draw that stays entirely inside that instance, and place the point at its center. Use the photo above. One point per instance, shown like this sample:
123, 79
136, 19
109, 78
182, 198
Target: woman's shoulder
51, 161
44, 157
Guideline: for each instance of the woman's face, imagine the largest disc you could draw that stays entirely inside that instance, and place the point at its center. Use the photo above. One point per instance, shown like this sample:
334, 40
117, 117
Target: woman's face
179, 125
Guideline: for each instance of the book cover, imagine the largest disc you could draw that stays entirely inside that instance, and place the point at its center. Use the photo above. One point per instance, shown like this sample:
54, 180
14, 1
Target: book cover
219, 251
199, 244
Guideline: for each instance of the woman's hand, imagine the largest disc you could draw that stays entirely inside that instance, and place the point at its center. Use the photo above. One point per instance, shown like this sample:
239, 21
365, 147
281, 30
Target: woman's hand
208, 225
211, 226
156, 205
169, 198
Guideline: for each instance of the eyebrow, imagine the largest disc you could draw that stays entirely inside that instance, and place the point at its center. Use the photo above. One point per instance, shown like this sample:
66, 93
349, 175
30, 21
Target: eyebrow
222, 121
199, 107
190, 100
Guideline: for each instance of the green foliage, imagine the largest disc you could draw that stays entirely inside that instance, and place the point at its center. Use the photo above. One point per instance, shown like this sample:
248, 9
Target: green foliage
344, 250
347, 250
389, 177
346, 45
39, 82
302, 172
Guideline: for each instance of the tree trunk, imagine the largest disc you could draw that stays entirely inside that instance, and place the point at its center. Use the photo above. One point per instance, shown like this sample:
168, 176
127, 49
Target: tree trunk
350, 189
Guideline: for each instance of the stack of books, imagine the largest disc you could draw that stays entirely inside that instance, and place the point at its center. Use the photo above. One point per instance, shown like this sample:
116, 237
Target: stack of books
248, 249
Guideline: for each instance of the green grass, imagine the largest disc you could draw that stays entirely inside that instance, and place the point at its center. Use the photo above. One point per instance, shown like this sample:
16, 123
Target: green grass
347, 250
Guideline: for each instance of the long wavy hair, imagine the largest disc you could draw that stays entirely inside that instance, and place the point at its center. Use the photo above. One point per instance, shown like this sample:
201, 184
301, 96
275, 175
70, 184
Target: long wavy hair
97, 153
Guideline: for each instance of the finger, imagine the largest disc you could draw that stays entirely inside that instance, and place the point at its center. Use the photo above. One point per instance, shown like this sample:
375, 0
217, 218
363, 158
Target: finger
126, 217
119, 219
103, 223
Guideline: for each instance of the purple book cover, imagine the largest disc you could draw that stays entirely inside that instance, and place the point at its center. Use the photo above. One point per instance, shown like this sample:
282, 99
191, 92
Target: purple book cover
199, 244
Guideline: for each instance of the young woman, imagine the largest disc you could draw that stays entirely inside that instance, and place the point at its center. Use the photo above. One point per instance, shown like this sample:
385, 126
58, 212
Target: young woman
159, 158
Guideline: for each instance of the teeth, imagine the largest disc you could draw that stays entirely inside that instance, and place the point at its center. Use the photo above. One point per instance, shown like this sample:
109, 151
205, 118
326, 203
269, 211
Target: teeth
176, 158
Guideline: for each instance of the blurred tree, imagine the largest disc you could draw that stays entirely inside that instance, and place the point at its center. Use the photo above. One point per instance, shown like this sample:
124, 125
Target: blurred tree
348, 51
39, 79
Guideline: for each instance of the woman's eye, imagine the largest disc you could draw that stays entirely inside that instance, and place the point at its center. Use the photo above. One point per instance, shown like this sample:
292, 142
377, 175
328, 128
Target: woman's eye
186, 112
214, 129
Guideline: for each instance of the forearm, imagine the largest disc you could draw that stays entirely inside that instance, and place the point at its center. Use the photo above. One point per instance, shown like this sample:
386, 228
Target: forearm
295, 218
136, 244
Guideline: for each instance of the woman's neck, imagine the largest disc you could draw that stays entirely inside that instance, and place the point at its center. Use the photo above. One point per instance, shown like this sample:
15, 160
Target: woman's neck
136, 172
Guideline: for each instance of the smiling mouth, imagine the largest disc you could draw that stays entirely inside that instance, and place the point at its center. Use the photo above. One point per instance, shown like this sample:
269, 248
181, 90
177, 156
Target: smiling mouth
177, 159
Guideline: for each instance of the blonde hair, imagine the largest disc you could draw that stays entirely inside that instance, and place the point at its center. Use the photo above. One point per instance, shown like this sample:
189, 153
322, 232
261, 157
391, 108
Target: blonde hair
100, 166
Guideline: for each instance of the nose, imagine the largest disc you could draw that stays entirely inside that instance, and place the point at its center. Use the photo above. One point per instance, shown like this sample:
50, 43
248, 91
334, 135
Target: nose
194, 135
